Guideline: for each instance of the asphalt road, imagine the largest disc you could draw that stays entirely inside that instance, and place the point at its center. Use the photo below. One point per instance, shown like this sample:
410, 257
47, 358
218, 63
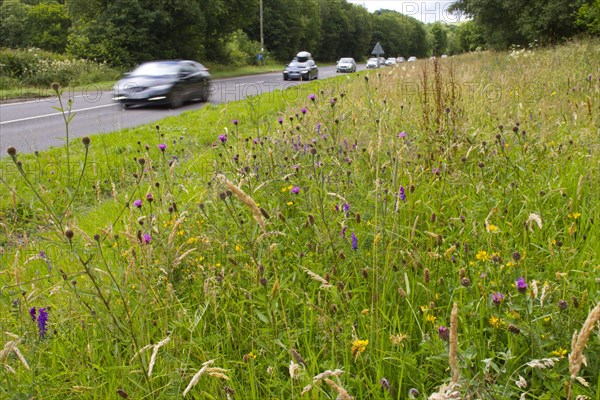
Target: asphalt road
35, 125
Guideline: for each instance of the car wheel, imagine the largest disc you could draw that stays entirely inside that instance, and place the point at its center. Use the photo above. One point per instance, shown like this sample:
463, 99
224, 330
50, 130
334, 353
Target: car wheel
176, 99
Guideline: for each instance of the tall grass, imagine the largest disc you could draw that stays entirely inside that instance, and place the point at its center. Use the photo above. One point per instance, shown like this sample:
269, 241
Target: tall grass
427, 229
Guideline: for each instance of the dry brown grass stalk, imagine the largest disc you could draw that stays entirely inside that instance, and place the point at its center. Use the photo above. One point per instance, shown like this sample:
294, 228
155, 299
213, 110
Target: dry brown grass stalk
324, 282
342, 393
11, 347
453, 356
206, 368
247, 200
576, 357
155, 353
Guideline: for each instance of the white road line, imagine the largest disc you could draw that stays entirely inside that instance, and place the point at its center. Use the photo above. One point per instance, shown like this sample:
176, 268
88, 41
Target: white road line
53, 114
47, 99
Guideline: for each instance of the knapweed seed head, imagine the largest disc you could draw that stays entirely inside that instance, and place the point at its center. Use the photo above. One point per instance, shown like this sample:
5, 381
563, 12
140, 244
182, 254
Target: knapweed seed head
385, 384
69, 234
86, 141
12, 152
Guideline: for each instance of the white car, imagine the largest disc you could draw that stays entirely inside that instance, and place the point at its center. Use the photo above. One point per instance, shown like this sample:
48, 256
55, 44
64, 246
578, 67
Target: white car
346, 64
372, 63
390, 62
400, 60
412, 59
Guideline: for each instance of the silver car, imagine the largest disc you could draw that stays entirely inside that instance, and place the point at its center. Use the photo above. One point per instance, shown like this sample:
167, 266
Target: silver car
346, 65
372, 63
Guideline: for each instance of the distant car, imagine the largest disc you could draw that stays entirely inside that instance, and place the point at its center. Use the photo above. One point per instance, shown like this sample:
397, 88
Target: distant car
302, 67
390, 62
412, 59
163, 82
444, 56
381, 61
346, 65
372, 63
400, 60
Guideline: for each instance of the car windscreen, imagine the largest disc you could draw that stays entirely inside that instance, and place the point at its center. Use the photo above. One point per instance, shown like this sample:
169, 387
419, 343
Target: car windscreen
346, 60
157, 69
297, 64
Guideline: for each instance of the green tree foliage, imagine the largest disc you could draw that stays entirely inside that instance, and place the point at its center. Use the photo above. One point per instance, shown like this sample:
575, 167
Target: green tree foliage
507, 22
470, 36
398, 34
588, 16
439, 38
34, 24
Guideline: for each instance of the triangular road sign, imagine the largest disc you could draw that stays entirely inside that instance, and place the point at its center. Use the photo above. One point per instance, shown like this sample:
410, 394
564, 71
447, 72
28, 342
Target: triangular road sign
377, 50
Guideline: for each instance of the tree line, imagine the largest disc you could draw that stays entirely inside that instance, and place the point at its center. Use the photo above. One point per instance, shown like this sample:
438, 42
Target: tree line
126, 32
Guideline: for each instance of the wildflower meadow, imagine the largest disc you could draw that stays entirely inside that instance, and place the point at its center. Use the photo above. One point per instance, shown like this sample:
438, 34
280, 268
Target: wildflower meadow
423, 231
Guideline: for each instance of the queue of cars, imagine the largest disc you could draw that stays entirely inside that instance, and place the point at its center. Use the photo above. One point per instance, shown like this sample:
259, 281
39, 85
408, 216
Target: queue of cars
175, 82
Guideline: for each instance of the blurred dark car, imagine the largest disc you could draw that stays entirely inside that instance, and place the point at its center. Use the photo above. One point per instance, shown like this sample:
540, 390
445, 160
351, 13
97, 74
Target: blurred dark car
163, 82
346, 64
302, 67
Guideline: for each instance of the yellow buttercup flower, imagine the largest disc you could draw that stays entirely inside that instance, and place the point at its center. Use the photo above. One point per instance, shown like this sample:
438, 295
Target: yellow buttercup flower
491, 228
358, 347
482, 255
495, 322
560, 352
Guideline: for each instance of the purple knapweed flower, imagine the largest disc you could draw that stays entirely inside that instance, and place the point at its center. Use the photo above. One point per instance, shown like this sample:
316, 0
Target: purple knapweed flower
149, 197
235, 122
42, 321
521, 285
318, 128
402, 134
436, 171
354, 241
497, 298
401, 193
162, 146
312, 97
295, 190
304, 110
32, 312
137, 203
443, 333
280, 120
295, 167
223, 138
146, 238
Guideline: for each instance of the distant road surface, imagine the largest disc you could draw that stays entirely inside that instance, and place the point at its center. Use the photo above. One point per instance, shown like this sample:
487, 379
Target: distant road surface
35, 125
